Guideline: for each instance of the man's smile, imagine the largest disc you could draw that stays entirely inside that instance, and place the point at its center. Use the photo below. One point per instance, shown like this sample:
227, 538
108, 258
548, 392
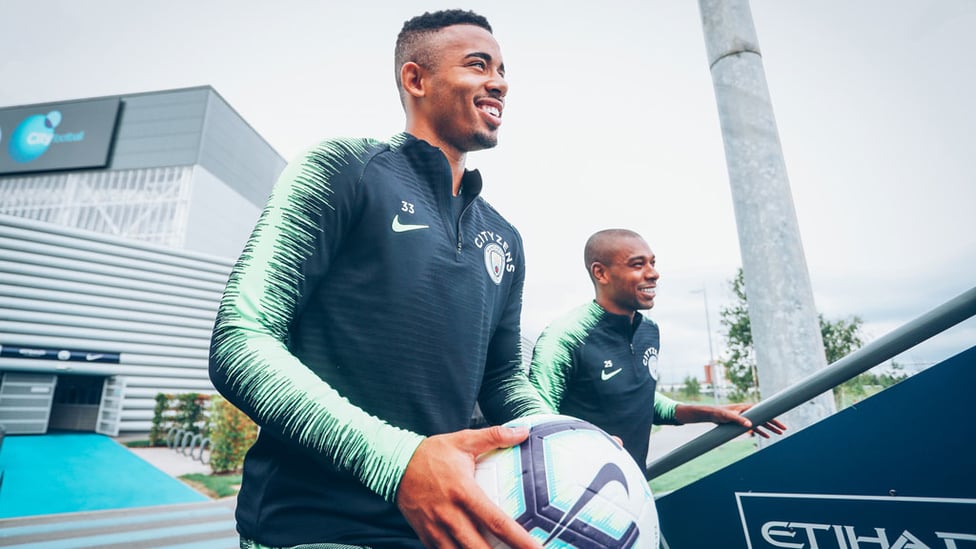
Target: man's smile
492, 108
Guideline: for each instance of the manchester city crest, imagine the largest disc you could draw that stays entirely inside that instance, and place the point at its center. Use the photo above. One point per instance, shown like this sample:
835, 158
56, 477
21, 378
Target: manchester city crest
650, 360
495, 262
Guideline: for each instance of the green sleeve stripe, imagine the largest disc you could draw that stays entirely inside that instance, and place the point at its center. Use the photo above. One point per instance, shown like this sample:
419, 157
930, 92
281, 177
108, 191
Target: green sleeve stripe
552, 358
258, 306
522, 397
664, 410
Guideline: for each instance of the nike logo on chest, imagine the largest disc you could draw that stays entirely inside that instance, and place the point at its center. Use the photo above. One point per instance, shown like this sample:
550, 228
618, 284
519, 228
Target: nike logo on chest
402, 227
605, 374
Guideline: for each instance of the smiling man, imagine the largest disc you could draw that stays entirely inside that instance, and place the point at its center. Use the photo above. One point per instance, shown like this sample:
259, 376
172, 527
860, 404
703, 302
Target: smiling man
376, 302
599, 362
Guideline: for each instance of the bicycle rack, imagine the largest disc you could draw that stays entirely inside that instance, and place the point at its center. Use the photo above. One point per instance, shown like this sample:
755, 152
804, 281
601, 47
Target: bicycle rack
190, 444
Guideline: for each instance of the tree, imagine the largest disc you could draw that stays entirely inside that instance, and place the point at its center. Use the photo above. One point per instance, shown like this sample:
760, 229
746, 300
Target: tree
740, 363
691, 389
840, 338
866, 384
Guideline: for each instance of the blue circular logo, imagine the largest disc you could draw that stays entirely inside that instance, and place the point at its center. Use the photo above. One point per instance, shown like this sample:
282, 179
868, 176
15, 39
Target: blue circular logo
33, 136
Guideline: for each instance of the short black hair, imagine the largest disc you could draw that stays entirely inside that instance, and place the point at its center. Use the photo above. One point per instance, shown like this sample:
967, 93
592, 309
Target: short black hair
600, 247
411, 40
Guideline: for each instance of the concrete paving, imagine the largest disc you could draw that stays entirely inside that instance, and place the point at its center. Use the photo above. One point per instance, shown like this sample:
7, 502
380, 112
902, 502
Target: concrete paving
171, 462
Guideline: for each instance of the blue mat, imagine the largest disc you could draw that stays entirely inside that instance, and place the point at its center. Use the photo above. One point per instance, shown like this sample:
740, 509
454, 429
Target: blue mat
71, 472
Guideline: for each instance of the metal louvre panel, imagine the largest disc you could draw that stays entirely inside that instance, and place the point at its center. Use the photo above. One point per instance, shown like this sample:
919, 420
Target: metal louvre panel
112, 334
60, 257
130, 414
169, 385
105, 288
136, 359
84, 321
119, 307
133, 403
25, 402
109, 415
148, 204
66, 320
75, 302
26, 197
89, 312
195, 377
15, 266
111, 246
225, 135
140, 395
138, 426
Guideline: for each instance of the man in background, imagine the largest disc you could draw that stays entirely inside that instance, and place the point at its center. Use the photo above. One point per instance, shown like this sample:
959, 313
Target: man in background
599, 362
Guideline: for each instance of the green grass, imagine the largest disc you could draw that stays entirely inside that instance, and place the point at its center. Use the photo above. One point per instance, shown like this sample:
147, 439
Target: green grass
137, 444
702, 466
215, 486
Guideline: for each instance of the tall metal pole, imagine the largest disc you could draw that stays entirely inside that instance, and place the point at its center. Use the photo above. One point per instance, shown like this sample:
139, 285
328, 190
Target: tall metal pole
782, 316
711, 354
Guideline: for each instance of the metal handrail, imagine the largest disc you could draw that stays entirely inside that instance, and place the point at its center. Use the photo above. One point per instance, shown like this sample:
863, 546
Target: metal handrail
939, 319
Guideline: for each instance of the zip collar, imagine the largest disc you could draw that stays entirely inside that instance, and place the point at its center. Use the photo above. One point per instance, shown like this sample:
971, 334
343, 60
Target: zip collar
429, 159
619, 324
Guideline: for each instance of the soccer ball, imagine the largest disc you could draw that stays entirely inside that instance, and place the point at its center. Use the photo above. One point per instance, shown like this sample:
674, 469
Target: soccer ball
571, 486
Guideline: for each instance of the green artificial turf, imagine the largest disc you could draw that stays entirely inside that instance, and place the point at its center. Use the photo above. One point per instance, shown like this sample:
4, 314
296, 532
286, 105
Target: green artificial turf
218, 486
702, 466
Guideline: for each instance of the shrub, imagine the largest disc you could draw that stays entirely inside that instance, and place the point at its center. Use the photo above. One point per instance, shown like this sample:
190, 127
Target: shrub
160, 425
187, 411
190, 412
231, 434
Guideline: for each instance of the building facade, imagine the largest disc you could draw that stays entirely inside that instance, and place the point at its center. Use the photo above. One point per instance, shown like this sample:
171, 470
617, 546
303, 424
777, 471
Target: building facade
120, 218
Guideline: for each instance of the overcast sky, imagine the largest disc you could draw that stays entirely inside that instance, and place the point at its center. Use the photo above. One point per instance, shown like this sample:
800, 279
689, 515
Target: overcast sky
610, 121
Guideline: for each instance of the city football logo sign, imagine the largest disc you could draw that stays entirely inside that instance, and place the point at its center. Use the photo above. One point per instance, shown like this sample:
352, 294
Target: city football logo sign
33, 136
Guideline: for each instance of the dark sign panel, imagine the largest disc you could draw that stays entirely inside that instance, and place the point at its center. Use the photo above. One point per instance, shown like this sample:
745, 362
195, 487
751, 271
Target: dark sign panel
57, 136
894, 471
845, 522
64, 355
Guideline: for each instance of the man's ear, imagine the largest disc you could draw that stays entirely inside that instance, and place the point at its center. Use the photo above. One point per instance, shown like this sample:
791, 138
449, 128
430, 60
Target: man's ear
413, 76
598, 271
